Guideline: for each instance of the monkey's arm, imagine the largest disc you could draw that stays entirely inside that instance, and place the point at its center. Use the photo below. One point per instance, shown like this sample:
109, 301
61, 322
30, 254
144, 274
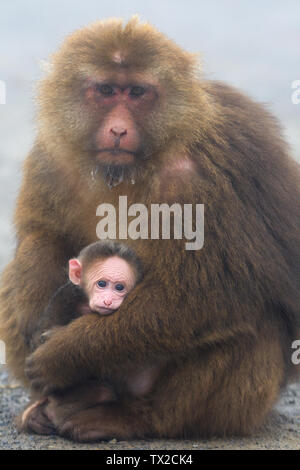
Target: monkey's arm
95, 346
64, 306
44, 245
26, 287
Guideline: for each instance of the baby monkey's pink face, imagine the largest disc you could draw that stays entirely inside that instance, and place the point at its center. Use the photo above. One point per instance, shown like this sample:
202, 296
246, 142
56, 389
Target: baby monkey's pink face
106, 282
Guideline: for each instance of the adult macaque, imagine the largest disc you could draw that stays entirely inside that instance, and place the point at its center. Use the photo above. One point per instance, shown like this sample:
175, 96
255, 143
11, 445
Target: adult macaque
123, 105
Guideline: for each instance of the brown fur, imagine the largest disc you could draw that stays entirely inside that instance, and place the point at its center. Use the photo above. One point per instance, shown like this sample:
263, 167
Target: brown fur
225, 316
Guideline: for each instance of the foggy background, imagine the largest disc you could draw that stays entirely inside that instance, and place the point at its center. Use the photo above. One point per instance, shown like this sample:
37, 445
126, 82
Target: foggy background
252, 45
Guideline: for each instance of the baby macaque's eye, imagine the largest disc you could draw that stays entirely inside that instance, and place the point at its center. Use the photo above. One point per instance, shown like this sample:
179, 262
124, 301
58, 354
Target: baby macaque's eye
119, 287
101, 283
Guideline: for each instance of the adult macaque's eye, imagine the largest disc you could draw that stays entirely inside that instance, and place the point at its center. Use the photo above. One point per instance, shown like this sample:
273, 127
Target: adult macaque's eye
105, 89
119, 287
137, 91
101, 283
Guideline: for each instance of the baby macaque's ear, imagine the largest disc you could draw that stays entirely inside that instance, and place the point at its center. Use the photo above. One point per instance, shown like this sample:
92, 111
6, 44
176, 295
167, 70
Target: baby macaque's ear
75, 271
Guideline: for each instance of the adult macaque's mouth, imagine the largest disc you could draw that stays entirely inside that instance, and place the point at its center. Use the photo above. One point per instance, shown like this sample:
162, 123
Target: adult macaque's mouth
116, 157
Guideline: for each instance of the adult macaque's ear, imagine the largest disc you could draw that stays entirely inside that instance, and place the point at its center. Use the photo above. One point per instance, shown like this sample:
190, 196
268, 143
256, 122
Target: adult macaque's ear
75, 271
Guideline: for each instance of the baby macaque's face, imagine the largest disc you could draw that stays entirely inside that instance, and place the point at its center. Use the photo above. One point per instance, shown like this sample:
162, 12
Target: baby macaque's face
106, 283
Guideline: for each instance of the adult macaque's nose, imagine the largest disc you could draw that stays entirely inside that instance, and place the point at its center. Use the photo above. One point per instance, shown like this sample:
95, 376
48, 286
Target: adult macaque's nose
118, 131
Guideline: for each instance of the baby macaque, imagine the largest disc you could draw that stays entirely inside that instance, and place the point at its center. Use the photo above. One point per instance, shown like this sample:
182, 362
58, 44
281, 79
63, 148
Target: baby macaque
99, 280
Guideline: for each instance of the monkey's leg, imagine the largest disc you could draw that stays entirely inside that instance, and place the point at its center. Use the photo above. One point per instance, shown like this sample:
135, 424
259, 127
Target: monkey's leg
227, 390
26, 286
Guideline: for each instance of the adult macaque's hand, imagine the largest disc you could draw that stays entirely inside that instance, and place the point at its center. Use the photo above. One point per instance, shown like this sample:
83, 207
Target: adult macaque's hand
59, 362
50, 367
41, 371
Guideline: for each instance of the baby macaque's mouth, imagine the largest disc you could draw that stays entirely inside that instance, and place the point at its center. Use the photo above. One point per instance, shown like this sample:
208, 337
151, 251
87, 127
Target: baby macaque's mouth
104, 311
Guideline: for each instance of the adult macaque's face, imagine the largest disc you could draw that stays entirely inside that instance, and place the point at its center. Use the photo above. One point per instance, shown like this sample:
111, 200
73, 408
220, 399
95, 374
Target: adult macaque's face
123, 105
106, 282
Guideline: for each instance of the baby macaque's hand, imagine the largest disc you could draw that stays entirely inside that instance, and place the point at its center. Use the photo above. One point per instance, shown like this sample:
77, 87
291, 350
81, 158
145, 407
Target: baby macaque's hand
48, 334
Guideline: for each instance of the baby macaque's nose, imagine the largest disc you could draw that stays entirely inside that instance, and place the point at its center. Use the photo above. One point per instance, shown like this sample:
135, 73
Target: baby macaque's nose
107, 301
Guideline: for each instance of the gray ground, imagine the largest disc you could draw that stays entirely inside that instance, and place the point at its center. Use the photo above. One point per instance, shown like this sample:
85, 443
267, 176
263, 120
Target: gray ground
281, 432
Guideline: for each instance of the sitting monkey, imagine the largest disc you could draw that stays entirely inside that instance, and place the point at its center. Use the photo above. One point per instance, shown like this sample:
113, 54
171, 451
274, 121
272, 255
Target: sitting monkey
99, 280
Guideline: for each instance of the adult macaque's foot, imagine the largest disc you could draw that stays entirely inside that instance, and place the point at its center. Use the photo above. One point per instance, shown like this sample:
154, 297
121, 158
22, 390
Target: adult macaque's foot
101, 422
35, 420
